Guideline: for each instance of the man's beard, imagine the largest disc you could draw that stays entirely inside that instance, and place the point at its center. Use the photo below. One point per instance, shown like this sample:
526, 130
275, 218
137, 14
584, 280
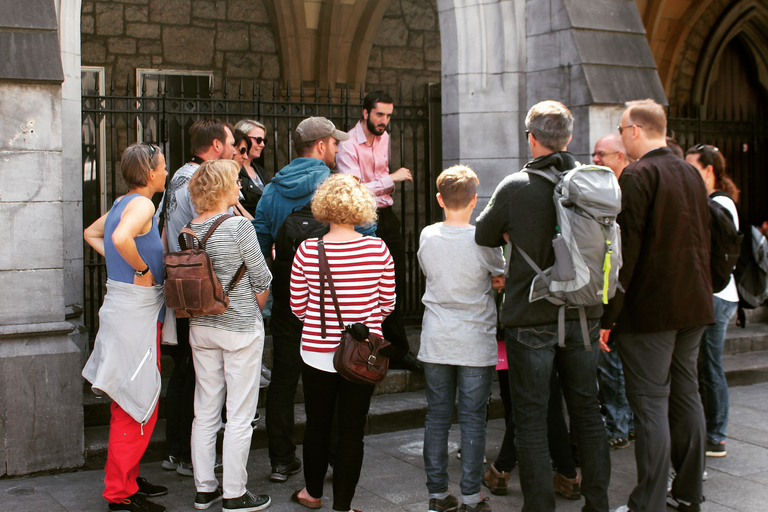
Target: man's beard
375, 129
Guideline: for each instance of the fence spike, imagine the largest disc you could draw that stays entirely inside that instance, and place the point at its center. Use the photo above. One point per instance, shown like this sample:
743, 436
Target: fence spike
288, 90
362, 91
159, 86
112, 86
274, 90
226, 88
128, 85
240, 92
211, 86
256, 94
197, 87
301, 92
144, 87
330, 92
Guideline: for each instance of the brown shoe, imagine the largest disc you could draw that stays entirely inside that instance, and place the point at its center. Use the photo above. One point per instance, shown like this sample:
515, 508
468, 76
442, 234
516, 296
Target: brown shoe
496, 481
568, 488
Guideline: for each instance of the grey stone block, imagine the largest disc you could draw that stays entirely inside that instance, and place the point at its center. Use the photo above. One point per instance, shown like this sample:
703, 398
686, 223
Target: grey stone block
33, 236
621, 84
31, 176
31, 296
613, 49
34, 14
31, 117
543, 51
538, 17
31, 56
480, 92
610, 15
41, 403
187, 45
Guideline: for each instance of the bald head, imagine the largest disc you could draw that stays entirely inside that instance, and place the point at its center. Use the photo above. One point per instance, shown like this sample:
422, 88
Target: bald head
610, 152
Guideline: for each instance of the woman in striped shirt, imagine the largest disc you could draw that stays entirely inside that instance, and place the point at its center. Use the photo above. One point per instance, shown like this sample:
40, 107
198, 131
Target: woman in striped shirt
227, 348
364, 277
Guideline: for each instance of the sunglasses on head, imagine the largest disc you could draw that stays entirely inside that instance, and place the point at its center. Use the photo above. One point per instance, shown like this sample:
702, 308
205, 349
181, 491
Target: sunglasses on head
152, 150
705, 147
259, 140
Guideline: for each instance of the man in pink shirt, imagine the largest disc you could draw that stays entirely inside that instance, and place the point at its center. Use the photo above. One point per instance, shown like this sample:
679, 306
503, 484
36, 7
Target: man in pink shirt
366, 155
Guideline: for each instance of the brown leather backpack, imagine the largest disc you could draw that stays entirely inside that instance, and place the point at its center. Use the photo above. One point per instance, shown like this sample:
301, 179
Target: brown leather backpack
191, 287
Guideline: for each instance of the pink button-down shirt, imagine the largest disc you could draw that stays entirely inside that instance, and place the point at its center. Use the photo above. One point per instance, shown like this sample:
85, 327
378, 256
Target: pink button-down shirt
370, 163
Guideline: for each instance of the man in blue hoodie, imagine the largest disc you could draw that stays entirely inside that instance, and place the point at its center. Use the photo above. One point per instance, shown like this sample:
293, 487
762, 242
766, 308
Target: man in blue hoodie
316, 141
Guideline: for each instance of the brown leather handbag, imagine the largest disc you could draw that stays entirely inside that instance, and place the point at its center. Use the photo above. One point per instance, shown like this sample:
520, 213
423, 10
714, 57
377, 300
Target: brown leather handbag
191, 287
355, 360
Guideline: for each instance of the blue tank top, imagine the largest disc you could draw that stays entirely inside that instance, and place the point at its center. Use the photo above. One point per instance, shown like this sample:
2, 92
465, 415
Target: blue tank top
149, 245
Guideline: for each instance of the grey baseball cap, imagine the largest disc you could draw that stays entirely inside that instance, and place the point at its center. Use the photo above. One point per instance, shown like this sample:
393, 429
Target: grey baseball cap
314, 128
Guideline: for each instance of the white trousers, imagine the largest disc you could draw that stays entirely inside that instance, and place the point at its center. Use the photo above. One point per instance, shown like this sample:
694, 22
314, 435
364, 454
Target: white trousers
227, 366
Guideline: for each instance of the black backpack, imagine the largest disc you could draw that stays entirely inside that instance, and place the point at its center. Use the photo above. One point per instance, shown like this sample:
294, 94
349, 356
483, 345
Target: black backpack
298, 226
726, 243
752, 273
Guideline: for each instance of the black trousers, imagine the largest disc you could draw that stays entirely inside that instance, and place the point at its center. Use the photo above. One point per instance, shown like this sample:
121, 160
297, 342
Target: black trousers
180, 397
323, 392
388, 229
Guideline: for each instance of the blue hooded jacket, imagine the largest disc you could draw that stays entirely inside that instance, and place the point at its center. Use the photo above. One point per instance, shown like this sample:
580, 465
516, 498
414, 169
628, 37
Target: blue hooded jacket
293, 186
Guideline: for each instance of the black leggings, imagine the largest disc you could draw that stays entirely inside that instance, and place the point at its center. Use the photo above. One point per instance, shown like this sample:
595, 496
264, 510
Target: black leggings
323, 391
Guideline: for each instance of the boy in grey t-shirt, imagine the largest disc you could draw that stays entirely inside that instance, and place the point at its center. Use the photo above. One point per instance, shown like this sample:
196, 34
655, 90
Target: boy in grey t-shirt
458, 339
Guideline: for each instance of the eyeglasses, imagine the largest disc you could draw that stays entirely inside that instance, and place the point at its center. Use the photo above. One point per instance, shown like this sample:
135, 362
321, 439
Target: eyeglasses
243, 150
259, 140
603, 154
622, 128
527, 133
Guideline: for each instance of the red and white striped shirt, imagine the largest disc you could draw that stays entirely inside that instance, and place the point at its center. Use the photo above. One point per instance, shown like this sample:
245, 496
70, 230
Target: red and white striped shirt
364, 277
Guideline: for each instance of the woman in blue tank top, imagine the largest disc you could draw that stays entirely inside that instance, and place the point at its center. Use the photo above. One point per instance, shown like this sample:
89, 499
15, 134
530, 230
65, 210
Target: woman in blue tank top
125, 359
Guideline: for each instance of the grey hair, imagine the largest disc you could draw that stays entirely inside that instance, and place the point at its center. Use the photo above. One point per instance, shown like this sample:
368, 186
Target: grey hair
550, 123
246, 125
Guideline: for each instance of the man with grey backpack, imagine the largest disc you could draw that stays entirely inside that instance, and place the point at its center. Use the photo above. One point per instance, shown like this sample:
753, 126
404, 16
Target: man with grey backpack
555, 288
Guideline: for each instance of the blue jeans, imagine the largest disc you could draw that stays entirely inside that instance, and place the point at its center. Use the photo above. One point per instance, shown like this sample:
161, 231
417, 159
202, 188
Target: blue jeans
474, 385
618, 417
713, 376
532, 353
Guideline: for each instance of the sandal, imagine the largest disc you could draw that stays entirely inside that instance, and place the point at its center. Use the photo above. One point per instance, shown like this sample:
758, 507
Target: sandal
304, 501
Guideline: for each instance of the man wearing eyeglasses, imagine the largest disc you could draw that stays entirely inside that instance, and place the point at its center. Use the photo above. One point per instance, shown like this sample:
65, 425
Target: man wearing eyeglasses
659, 319
610, 152
366, 155
210, 139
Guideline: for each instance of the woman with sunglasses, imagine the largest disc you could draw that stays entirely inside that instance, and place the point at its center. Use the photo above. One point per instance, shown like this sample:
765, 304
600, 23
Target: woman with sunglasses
254, 177
711, 165
125, 362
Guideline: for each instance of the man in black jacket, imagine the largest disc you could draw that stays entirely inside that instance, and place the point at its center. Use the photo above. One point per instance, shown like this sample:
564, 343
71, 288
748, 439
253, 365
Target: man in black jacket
522, 211
659, 321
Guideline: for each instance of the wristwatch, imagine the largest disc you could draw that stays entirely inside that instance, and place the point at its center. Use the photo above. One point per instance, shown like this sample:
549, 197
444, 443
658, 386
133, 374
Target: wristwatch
141, 273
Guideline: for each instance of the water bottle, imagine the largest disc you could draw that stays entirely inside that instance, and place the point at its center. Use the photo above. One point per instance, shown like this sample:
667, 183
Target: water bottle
563, 269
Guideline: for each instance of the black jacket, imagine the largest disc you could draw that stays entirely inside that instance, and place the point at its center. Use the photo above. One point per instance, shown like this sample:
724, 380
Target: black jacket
665, 246
250, 191
523, 207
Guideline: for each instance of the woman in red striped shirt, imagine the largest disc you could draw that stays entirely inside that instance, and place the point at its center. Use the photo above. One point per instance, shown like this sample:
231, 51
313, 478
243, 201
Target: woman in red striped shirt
364, 277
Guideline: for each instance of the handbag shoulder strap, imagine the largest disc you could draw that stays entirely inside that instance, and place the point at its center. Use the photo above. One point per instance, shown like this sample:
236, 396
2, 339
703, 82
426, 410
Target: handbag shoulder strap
325, 270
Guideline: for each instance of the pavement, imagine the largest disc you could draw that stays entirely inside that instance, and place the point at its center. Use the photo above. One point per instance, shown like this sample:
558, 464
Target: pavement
393, 474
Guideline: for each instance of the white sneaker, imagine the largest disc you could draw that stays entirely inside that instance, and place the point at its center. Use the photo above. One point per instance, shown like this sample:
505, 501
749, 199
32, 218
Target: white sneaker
622, 508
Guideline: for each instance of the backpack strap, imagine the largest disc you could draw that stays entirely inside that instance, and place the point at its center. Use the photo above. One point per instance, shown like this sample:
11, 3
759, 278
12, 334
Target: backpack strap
325, 270
186, 241
550, 173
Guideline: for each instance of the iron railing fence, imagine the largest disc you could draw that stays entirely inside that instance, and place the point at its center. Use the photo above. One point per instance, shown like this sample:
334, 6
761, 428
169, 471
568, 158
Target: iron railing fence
742, 138
112, 121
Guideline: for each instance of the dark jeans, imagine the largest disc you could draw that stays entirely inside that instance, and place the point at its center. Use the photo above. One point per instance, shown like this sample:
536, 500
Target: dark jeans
557, 433
618, 414
533, 353
323, 391
663, 390
180, 397
286, 370
388, 229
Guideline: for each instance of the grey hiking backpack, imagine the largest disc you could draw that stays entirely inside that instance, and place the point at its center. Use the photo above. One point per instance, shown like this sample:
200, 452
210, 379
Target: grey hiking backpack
587, 243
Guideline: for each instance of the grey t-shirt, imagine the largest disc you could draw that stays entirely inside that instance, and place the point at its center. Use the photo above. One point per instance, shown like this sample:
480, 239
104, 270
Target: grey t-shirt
180, 208
459, 325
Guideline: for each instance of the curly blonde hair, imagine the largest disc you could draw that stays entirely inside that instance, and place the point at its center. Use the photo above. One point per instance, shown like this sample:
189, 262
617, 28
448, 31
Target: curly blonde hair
342, 199
211, 182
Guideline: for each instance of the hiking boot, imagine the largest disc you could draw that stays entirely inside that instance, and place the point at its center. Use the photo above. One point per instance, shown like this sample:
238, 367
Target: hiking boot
185, 468
150, 490
716, 449
247, 503
483, 506
568, 488
281, 473
136, 503
204, 500
447, 504
496, 481
170, 463
617, 443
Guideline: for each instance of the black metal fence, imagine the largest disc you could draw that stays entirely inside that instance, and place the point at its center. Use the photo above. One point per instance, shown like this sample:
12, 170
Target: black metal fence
742, 137
163, 116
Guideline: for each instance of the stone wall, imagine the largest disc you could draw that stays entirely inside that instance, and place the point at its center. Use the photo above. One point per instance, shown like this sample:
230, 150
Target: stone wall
231, 37
406, 49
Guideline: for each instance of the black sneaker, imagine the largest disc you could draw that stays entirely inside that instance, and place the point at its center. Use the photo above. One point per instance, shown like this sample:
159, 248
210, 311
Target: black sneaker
682, 506
281, 473
204, 500
483, 506
150, 490
136, 503
247, 503
716, 449
447, 504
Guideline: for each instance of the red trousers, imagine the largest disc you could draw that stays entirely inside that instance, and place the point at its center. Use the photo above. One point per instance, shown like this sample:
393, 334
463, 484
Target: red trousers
128, 441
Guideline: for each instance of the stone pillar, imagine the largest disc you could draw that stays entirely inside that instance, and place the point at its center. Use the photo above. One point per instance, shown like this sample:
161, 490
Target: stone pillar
41, 413
483, 87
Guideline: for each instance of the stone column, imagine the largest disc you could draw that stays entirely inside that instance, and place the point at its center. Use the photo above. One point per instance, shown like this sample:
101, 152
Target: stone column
41, 413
